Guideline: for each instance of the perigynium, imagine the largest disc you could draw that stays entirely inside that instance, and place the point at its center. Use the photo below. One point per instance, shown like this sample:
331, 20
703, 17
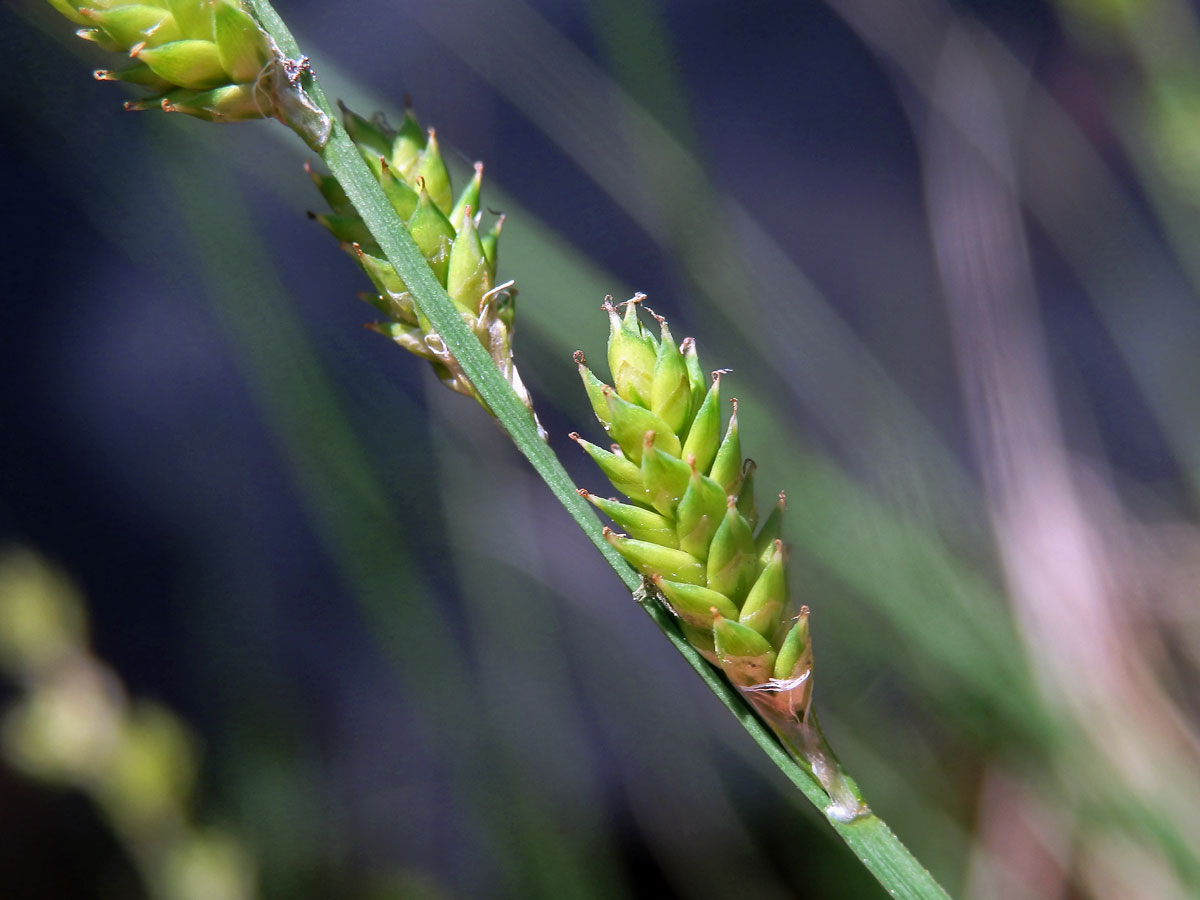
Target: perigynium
690, 530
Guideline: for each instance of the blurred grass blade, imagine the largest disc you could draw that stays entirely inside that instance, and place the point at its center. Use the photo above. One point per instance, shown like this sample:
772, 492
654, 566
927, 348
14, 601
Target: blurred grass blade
1107, 240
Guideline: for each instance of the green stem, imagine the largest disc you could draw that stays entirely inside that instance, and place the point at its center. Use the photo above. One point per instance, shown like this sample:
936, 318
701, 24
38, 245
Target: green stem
876, 846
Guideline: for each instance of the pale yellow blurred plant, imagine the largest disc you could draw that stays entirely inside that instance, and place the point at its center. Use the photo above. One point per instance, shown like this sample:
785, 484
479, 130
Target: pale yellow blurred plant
74, 726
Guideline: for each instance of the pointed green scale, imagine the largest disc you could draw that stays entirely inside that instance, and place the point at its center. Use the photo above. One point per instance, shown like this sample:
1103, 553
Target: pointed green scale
332, 191
795, 653
700, 511
240, 44
664, 476
764, 544
409, 337
407, 146
228, 103
468, 277
703, 437
194, 17
743, 654
632, 320
768, 597
403, 199
391, 285
642, 524
693, 603
629, 424
135, 23
188, 63
793, 667
745, 497
139, 73
594, 388
433, 234
696, 379
651, 559
431, 169
469, 198
727, 465
371, 140
670, 389
732, 564
144, 103
490, 239
100, 39
631, 353
624, 475
347, 229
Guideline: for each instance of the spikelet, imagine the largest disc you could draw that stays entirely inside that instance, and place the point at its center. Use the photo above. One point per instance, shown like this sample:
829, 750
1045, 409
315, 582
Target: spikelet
203, 58
690, 516
409, 166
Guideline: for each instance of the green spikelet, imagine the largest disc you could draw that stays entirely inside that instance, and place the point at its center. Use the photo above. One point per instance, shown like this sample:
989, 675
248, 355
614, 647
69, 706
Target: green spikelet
642, 524
631, 353
691, 516
745, 656
624, 475
670, 387
699, 512
203, 58
409, 166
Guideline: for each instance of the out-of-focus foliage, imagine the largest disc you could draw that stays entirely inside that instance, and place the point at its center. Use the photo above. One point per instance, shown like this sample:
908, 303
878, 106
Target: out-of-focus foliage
950, 252
74, 727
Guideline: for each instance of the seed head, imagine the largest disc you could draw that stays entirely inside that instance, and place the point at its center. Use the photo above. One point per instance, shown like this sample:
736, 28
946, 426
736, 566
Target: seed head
410, 168
208, 60
691, 517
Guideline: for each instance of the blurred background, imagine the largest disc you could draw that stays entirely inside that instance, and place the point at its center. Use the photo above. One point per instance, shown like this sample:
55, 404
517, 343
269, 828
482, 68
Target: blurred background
351, 647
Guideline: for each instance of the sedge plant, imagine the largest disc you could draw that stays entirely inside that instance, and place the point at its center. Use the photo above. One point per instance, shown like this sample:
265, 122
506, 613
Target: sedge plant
716, 588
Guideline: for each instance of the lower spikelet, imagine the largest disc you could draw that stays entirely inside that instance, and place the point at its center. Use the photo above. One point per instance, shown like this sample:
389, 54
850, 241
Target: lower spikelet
690, 517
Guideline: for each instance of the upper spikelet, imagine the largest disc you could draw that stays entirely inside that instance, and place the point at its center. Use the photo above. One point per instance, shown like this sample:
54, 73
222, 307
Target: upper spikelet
408, 163
690, 518
204, 58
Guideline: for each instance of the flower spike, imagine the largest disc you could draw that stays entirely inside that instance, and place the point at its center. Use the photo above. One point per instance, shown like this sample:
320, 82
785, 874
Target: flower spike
691, 523
209, 60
